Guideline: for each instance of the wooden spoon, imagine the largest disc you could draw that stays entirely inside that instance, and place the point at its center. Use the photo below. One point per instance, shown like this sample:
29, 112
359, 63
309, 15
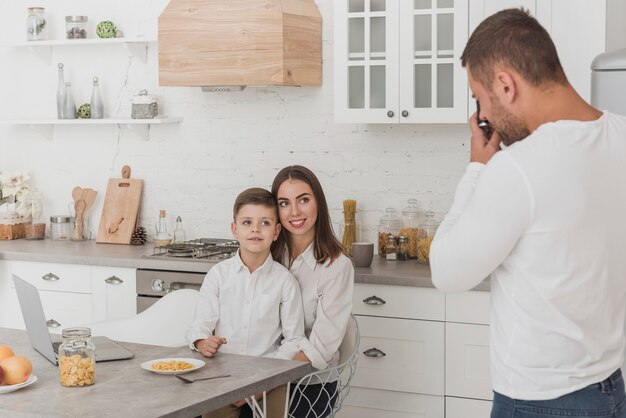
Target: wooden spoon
77, 193
89, 198
78, 233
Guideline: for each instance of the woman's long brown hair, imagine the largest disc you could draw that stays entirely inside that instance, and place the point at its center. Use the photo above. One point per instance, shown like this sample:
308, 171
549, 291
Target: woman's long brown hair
325, 244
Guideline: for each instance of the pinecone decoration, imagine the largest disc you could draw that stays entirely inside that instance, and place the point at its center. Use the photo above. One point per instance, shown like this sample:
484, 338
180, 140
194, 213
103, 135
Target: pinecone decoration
139, 237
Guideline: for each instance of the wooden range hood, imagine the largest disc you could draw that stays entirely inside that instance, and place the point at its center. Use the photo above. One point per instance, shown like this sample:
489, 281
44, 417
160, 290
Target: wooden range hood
222, 43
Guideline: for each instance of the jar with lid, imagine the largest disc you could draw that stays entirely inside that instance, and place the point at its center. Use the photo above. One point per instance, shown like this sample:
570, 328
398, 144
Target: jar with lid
60, 227
403, 248
391, 249
427, 231
76, 27
36, 227
36, 27
77, 358
411, 218
389, 224
144, 106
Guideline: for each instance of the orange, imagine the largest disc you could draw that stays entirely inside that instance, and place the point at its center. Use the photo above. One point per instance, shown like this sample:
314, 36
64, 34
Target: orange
17, 369
5, 351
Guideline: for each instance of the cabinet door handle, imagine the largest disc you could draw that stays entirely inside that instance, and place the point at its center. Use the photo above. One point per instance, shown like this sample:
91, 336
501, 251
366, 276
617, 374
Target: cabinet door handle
114, 280
374, 300
390, 114
51, 277
374, 352
405, 113
52, 323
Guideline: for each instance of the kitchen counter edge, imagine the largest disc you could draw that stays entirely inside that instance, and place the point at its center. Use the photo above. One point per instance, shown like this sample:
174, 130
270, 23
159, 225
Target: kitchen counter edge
395, 273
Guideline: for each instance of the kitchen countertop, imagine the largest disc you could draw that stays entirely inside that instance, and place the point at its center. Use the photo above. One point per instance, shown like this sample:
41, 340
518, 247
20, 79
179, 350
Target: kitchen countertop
396, 273
123, 389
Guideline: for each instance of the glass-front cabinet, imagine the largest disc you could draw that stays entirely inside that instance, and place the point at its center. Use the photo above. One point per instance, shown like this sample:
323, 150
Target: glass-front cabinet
398, 61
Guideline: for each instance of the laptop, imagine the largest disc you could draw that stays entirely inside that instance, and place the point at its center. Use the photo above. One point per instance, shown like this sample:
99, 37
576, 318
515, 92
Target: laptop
48, 344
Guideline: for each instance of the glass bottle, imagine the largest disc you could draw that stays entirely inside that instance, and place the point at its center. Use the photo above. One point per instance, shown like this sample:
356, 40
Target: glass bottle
179, 233
162, 237
411, 218
77, 358
69, 109
427, 231
36, 228
97, 110
391, 249
60, 92
36, 28
390, 223
403, 248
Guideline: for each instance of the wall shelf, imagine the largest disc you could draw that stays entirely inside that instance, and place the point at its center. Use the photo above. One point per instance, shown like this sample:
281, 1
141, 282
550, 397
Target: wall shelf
45, 127
136, 46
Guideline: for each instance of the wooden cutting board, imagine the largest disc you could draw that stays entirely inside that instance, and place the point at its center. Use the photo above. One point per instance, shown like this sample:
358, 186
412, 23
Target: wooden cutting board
120, 210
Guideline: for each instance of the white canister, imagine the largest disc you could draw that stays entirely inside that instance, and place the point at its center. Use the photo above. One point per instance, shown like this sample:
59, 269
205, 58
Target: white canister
144, 106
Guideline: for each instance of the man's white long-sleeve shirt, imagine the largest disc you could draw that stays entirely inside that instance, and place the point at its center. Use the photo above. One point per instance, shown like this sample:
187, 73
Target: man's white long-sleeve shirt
545, 219
251, 310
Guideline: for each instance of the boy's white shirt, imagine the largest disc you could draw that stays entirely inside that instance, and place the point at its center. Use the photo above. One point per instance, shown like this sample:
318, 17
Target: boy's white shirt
253, 311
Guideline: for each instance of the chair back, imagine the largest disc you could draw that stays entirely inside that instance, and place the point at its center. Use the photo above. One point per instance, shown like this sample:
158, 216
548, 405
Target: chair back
164, 323
329, 401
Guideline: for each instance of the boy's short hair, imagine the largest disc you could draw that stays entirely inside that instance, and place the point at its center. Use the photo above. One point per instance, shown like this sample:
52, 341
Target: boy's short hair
255, 196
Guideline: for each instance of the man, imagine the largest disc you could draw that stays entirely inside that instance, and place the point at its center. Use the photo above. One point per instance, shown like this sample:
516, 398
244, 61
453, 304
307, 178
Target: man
544, 218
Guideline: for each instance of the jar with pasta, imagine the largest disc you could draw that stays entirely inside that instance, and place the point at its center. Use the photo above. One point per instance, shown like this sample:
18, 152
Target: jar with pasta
389, 224
427, 231
411, 218
77, 358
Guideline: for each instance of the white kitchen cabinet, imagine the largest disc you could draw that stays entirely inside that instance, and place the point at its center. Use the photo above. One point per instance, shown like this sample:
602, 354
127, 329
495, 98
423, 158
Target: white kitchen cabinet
401, 355
398, 302
70, 294
397, 61
114, 292
467, 361
467, 408
369, 403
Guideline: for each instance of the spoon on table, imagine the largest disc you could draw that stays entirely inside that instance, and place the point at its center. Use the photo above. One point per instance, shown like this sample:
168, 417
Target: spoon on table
187, 380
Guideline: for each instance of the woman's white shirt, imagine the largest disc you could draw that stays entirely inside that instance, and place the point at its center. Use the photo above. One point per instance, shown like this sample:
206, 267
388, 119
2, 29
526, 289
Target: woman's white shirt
327, 299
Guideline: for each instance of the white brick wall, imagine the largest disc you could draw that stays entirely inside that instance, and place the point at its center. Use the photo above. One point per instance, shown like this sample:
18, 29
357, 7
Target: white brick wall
227, 142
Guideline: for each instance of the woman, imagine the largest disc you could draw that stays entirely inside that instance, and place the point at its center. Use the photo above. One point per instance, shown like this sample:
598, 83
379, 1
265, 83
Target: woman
308, 247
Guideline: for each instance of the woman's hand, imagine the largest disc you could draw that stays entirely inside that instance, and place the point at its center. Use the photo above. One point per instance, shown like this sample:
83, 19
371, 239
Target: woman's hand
210, 346
484, 143
301, 357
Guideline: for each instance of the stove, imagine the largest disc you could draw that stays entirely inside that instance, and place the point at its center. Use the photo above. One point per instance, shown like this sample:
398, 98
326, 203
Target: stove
203, 249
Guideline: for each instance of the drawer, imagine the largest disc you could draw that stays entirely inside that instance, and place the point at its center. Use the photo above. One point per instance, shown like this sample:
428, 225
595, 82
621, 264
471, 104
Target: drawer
52, 276
464, 408
67, 309
398, 302
468, 307
373, 403
401, 355
467, 361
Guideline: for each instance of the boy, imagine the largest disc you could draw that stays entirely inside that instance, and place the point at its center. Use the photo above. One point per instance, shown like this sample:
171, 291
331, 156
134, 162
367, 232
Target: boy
248, 303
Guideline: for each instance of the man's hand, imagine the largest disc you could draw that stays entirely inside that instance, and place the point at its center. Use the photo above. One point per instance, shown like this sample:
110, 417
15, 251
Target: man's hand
482, 147
210, 346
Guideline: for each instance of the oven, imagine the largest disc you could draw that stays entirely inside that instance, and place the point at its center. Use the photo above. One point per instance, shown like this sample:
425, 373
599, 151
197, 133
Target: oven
154, 284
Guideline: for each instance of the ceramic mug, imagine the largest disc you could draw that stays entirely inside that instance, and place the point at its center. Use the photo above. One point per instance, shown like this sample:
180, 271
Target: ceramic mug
362, 254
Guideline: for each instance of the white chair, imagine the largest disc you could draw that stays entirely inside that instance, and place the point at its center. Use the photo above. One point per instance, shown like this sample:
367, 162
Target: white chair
163, 323
342, 374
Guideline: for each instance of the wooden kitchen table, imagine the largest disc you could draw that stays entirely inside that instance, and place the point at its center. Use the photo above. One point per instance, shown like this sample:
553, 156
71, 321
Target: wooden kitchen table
123, 389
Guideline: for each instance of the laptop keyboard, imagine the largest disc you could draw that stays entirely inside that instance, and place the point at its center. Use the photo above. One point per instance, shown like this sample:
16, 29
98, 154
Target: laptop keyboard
55, 346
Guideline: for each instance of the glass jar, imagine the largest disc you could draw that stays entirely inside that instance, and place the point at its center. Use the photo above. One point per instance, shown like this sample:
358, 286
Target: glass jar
403, 248
426, 234
36, 227
60, 227
36, 27
391, 249
77, 358
76, 27
144, 106
390, 223
411, 218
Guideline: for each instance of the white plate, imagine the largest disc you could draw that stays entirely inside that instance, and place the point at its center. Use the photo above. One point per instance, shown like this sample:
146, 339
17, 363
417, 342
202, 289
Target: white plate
147, 365
10, 388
